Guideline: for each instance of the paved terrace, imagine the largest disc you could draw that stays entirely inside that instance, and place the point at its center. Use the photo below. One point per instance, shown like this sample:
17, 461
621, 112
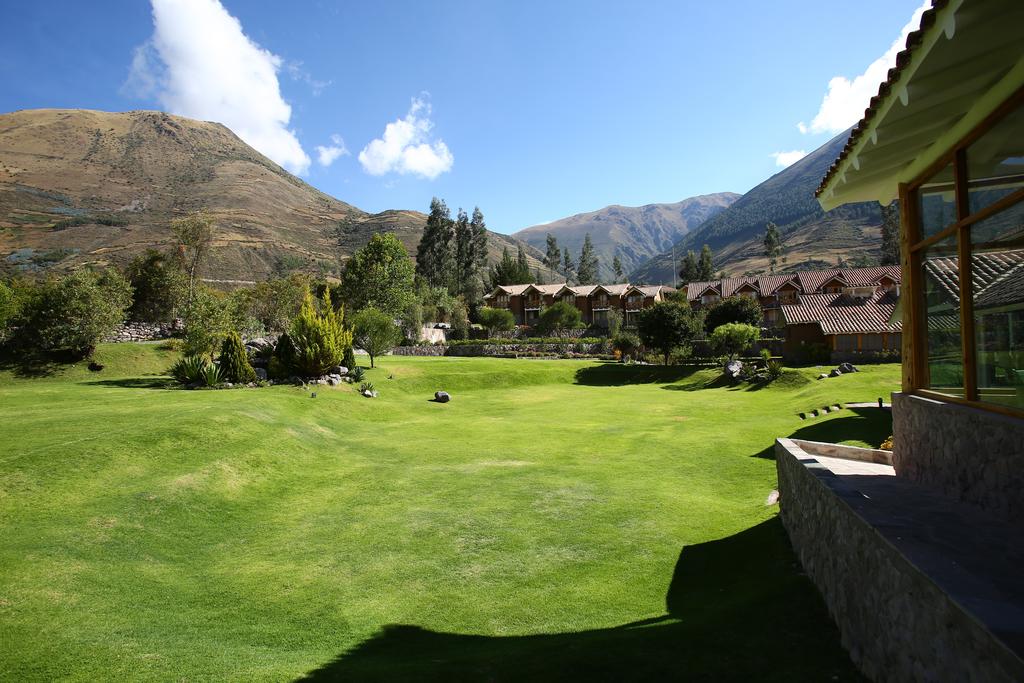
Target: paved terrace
921, 586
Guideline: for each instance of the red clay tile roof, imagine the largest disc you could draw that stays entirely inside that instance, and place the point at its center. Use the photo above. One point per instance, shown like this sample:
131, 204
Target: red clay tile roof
768, 284
989, 270
839, 314
902, 59
811, 280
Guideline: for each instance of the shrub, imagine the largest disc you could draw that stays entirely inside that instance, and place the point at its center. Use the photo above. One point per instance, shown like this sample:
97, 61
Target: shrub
212, 375
366, 386
70, 314
282, 361
234, 361
189, 370
496, 319
349, 359
357, 373
319, 337
375, 332
9, 306
766, 356
614, 322
558, 316
733, 339
207, 320
774, 369
733, 309
460, 321
627, 344
887, 444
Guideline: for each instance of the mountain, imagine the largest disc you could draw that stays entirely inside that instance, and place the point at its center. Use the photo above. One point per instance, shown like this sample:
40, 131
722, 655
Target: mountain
810, 236
81, 186
635, 233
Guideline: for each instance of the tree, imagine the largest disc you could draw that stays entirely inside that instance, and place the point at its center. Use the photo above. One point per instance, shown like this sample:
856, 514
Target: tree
470, 254
553, 255
522, 265
587, 273
627, 344
275, 303
320, 337
558, 316
10, 305
617, 268
71, 314
667, 325
194, 234
379, 275
891, 234
207, 319
733, 339
690, 271
159, 287
496, 319
234, 361
435, 258
706, 265
460, 320
509, 271
772, 245
375, 332
568, 264
733, 309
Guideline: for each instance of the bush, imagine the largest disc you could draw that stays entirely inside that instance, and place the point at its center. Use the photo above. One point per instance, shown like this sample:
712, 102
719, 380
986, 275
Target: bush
319, 337
357, 373
774, 369
525, 340
234, 361
9, 306
733, 339
349, 359
72, 313
627, 344
189, 370
668, 325
282, 362
211, 375
460, 321
159, 287
375, 332
558, 316
207, 320
733, 309
496, 319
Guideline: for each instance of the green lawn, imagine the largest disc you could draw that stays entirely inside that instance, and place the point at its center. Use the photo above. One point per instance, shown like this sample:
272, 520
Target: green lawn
556, 520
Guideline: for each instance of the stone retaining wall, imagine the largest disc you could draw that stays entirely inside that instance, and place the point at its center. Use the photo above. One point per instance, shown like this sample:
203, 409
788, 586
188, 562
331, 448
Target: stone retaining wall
894, 621
971, 455
418, 351
136, 331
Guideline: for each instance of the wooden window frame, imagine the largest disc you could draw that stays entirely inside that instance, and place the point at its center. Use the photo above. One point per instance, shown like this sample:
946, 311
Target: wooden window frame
915, 367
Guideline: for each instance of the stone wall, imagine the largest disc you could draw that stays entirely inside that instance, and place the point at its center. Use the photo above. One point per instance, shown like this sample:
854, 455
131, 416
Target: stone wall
418, 351
136, 331
896, 623
969, 454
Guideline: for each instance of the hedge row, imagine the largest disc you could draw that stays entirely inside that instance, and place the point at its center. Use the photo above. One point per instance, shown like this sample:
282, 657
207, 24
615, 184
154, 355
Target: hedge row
527, 340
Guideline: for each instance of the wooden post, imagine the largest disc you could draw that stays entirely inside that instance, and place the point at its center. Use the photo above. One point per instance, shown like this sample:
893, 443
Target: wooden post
911, 291
966, 284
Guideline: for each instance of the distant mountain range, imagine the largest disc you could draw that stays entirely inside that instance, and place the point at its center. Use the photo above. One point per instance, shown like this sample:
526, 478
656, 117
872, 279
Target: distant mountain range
635, 234
811, 237
80, 186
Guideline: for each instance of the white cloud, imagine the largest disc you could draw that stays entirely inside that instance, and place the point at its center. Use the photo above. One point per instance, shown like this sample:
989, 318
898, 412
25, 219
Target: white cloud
299, 74
785, 159
329, 154
199, 63
846, 99
406, 147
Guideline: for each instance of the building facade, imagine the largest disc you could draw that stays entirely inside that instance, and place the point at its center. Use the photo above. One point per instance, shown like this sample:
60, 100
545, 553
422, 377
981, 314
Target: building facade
594, 302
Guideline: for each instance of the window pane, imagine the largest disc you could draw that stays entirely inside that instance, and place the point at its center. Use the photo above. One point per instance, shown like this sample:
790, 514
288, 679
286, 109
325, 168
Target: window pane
942, 317
995, 163
937, 203
997, 272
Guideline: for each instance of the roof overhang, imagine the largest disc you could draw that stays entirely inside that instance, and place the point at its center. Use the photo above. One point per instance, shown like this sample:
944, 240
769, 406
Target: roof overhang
960, 66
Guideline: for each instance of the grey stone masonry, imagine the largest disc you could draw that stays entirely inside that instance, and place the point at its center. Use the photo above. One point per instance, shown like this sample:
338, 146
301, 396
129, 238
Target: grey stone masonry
969, 454
922, 588
136, 331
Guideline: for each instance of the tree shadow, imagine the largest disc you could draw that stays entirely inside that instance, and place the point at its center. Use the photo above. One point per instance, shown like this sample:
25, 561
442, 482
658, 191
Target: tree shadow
736, 609
870, 425
29, 366
135, 383
611, 374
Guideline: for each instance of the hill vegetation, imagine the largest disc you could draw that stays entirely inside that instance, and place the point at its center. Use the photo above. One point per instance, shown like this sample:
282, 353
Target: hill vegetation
810, 236
80, 186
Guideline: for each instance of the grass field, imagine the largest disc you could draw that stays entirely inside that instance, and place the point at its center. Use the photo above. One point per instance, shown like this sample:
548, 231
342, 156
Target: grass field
556, 520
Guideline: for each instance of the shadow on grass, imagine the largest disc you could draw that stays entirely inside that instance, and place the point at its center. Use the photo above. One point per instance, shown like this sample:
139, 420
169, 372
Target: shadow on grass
610, 374
736, 609
27, 366
869, 425
135, 383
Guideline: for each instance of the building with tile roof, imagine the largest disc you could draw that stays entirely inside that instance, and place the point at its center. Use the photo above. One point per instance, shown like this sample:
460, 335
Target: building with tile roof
594, 302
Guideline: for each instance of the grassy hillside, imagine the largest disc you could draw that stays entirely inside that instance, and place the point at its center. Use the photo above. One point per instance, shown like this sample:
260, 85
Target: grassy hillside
787, 199
557, 520
635, 234
87, 186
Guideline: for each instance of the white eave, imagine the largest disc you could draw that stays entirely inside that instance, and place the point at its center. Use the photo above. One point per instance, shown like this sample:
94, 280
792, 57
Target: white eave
968, 62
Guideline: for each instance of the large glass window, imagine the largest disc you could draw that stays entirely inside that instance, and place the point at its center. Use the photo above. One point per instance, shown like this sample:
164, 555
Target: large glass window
937, 202
941, 278
991, 368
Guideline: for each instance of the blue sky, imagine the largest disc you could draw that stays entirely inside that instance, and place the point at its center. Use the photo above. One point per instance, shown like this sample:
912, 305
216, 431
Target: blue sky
531, 110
